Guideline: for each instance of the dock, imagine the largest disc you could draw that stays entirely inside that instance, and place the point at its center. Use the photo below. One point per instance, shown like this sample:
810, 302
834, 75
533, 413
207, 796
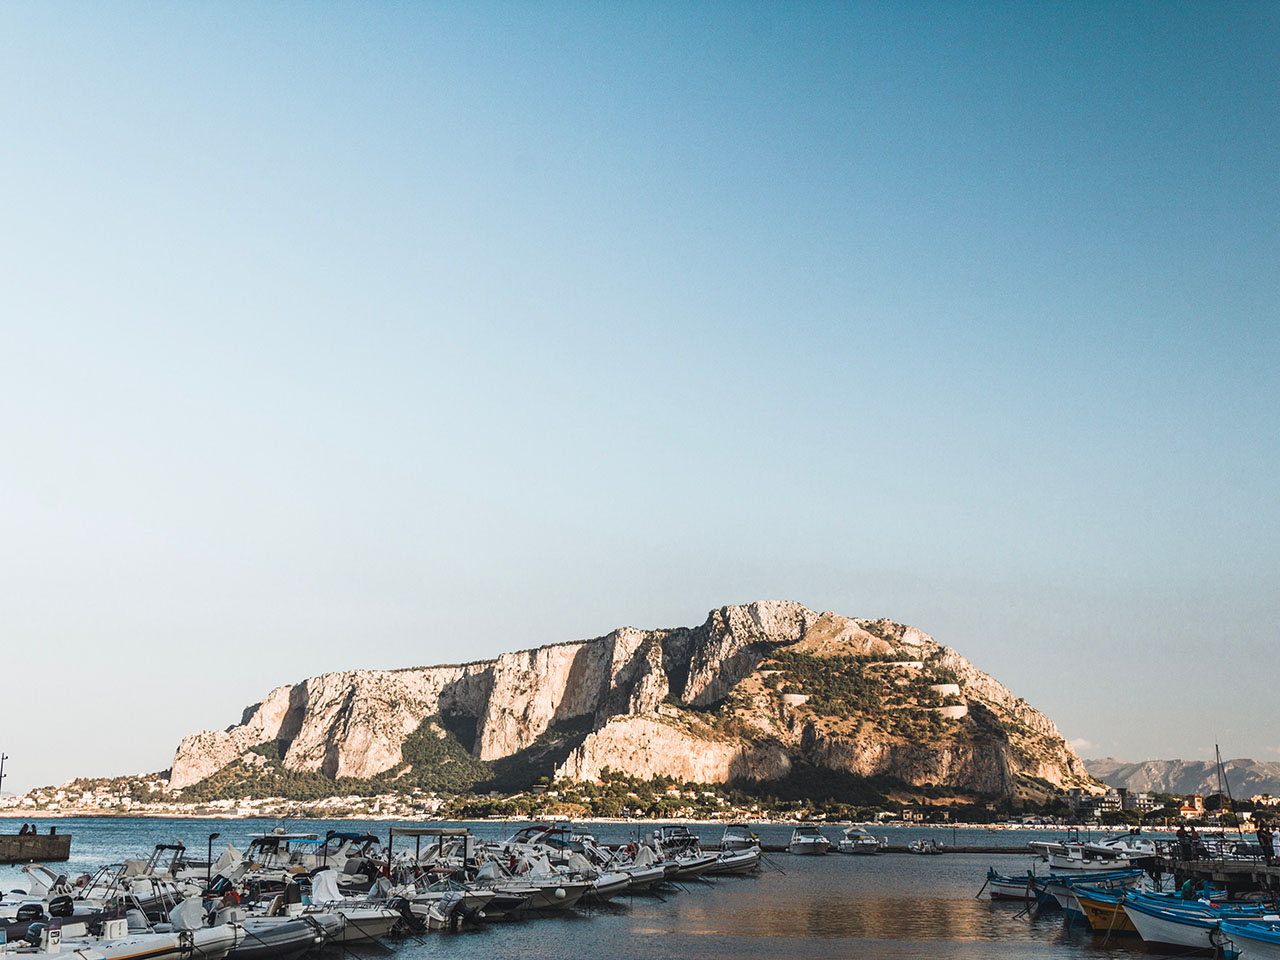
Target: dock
34, 847
1237, 876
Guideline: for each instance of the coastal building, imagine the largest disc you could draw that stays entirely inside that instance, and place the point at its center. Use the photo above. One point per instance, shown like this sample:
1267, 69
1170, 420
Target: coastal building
1140, 802
1192, 807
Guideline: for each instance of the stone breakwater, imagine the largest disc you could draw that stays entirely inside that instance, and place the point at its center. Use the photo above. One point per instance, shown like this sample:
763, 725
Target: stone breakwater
652, 702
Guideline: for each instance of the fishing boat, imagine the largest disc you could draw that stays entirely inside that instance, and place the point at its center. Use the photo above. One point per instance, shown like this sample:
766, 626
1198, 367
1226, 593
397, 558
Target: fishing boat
1006, 887
1103, 910
1063, 886
1250, 939
1176, 927
858, 841
808, 841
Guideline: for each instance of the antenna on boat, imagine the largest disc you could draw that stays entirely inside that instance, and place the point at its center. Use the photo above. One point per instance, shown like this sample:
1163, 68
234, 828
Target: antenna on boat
3, 758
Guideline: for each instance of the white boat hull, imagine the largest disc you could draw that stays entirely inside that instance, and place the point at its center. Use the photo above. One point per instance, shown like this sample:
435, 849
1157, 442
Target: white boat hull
808, 849
1170, 933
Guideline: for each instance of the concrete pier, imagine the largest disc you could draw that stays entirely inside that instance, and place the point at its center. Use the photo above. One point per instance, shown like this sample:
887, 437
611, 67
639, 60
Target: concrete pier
34, 847
1237, 876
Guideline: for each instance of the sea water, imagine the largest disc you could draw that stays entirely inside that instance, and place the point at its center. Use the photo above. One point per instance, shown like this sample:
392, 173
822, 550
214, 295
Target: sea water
812, 908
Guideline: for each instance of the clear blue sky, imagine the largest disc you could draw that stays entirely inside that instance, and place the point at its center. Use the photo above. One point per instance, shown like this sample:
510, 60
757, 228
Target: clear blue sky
372, 335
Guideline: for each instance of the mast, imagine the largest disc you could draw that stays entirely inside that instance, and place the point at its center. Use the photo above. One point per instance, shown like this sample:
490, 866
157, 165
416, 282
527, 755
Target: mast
1222, 778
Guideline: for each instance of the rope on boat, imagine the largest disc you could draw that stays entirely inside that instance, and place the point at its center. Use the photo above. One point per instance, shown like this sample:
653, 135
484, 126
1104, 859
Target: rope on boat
978, 895
771, 862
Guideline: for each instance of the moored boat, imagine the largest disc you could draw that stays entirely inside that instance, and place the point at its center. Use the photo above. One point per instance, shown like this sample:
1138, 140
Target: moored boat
1007, 887
808, 841
1250, 939
858, 841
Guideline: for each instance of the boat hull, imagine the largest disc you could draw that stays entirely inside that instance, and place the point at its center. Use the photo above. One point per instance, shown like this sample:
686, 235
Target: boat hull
1165, 931
808, 849
1105, 916
744, 861
1252, 942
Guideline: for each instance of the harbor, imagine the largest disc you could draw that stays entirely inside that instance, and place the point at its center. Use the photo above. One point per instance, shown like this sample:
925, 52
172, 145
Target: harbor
888, 902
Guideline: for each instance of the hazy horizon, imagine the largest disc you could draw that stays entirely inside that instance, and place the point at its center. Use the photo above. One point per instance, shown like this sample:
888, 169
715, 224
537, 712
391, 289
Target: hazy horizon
375, 336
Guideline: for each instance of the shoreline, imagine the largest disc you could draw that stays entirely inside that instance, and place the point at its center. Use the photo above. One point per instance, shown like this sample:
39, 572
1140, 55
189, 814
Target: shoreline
721, 822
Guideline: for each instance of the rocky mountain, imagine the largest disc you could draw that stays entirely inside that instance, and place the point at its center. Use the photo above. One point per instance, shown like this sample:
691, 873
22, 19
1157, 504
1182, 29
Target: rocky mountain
1245, 777
763, 692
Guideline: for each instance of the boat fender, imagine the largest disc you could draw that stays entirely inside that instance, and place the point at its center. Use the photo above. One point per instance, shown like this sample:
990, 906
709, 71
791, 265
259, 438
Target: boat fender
560, 894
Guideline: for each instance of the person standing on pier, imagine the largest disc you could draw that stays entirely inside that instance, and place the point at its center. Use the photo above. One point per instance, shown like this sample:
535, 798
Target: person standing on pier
1266, 840
1184, 842
1197, 845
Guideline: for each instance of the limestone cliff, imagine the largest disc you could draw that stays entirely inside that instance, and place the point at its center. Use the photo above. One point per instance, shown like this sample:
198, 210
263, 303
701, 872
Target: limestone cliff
746, 695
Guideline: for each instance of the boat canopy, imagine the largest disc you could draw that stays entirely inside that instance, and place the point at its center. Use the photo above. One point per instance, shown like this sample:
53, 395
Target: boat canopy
429, 832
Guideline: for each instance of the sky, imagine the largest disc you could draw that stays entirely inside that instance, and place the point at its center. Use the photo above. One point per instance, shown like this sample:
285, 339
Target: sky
375, 335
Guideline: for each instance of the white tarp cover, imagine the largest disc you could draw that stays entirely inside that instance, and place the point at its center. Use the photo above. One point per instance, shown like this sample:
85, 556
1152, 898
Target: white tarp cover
539, 867
188, 915
324, 887
229, 856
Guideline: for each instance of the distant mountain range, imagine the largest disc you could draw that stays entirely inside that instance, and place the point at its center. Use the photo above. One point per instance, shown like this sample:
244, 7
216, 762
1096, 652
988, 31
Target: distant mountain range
1245, 777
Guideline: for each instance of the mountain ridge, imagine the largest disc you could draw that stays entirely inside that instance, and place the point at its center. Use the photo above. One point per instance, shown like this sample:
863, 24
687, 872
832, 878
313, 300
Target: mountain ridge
753, 693
1245, 777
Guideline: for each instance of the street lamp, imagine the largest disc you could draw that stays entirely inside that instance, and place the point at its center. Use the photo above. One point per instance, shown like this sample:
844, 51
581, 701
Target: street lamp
208, 872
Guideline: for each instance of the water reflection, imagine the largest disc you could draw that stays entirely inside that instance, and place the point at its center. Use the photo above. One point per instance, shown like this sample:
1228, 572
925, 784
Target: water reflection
888, 907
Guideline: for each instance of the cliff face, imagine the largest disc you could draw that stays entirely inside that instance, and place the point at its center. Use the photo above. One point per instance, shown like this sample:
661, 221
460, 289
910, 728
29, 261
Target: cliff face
748, 694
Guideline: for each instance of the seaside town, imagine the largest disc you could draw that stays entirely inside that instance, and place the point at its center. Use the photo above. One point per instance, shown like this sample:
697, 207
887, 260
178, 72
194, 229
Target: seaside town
1116, 806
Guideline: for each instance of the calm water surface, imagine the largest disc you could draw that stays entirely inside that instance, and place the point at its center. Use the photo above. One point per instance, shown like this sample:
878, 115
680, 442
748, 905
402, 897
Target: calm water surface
815, 908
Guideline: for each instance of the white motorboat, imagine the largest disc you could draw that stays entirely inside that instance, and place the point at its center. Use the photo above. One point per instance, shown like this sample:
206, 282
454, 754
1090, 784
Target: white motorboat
186, 936
363, 919
676, 844
927, 847
273, 937
1076, 855
808, 841
856, 840
732, 862
738, 836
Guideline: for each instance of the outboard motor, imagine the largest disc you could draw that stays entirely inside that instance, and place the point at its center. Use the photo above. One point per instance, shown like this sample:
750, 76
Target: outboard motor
29, 912
452, 907
408, 919
34, 933
61, 907
218, 886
